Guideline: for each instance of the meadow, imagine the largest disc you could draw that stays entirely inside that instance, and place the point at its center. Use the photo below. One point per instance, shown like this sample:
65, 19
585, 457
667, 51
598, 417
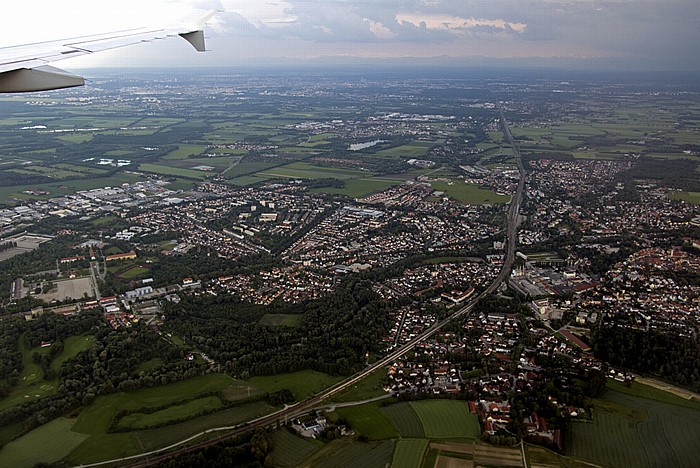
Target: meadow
281, 320
302, 384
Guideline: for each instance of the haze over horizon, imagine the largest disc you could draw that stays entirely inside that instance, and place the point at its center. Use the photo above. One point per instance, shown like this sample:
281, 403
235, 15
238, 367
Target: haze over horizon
612, 34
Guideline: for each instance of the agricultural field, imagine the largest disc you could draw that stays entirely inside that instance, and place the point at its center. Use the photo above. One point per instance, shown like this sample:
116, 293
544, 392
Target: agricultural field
405, 419
409, 453
367, 420
625, 432
357, 455
281, 320
469, 193
289, 449
446, 418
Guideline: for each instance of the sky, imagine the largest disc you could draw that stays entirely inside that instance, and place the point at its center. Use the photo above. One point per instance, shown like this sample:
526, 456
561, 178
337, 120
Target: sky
637, 34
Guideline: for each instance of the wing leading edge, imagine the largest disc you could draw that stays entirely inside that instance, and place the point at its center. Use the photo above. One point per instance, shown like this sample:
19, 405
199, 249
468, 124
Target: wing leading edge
25, 68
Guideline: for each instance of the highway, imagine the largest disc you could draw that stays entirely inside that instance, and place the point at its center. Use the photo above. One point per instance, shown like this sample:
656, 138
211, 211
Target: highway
291, 412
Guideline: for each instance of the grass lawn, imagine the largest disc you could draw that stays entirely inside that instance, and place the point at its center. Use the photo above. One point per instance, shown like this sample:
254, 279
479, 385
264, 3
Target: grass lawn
32, 385
134, 272
281, 320
469, 193
368, 420
48, 443
409, 453
71, 347
446, 418
369, 387
645, 391
302, 384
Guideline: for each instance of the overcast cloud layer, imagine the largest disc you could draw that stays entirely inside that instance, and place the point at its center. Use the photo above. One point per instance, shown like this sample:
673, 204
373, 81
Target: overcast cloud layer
652, 34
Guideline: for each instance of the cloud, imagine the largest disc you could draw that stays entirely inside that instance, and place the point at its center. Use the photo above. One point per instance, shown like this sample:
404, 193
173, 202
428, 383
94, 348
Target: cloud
378, 29
455, 23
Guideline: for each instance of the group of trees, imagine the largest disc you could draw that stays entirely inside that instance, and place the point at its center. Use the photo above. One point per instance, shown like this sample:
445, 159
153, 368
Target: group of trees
111, 363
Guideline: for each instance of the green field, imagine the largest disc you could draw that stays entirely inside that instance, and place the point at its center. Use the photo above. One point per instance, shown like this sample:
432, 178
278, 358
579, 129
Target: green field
139, 421
409, 453
31, 382
469, 193
357, 455
185, 151
172, 171
690, 197
360, 187
369, 387
446, 418
167, 435
290, 450
302, 170
367, 420
95, 420
68, 187
406, 151
405, 419
134, 272
302, 384
628, 430
281, 320
48, 443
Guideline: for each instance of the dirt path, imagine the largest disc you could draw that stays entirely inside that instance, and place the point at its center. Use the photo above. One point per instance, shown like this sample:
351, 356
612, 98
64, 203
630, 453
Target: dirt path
658, 384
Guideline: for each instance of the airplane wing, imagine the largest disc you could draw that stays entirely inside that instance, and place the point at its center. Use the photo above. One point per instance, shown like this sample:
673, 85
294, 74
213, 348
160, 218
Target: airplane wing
25, 68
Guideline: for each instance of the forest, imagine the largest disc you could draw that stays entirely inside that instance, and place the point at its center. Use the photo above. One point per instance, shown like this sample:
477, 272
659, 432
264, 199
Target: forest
670, 357
335, 335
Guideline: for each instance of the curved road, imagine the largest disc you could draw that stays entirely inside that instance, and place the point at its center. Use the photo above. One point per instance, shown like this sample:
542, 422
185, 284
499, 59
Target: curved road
290, 412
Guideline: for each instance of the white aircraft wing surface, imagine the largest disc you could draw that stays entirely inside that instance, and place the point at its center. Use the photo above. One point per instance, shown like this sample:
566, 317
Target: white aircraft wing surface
24, 68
